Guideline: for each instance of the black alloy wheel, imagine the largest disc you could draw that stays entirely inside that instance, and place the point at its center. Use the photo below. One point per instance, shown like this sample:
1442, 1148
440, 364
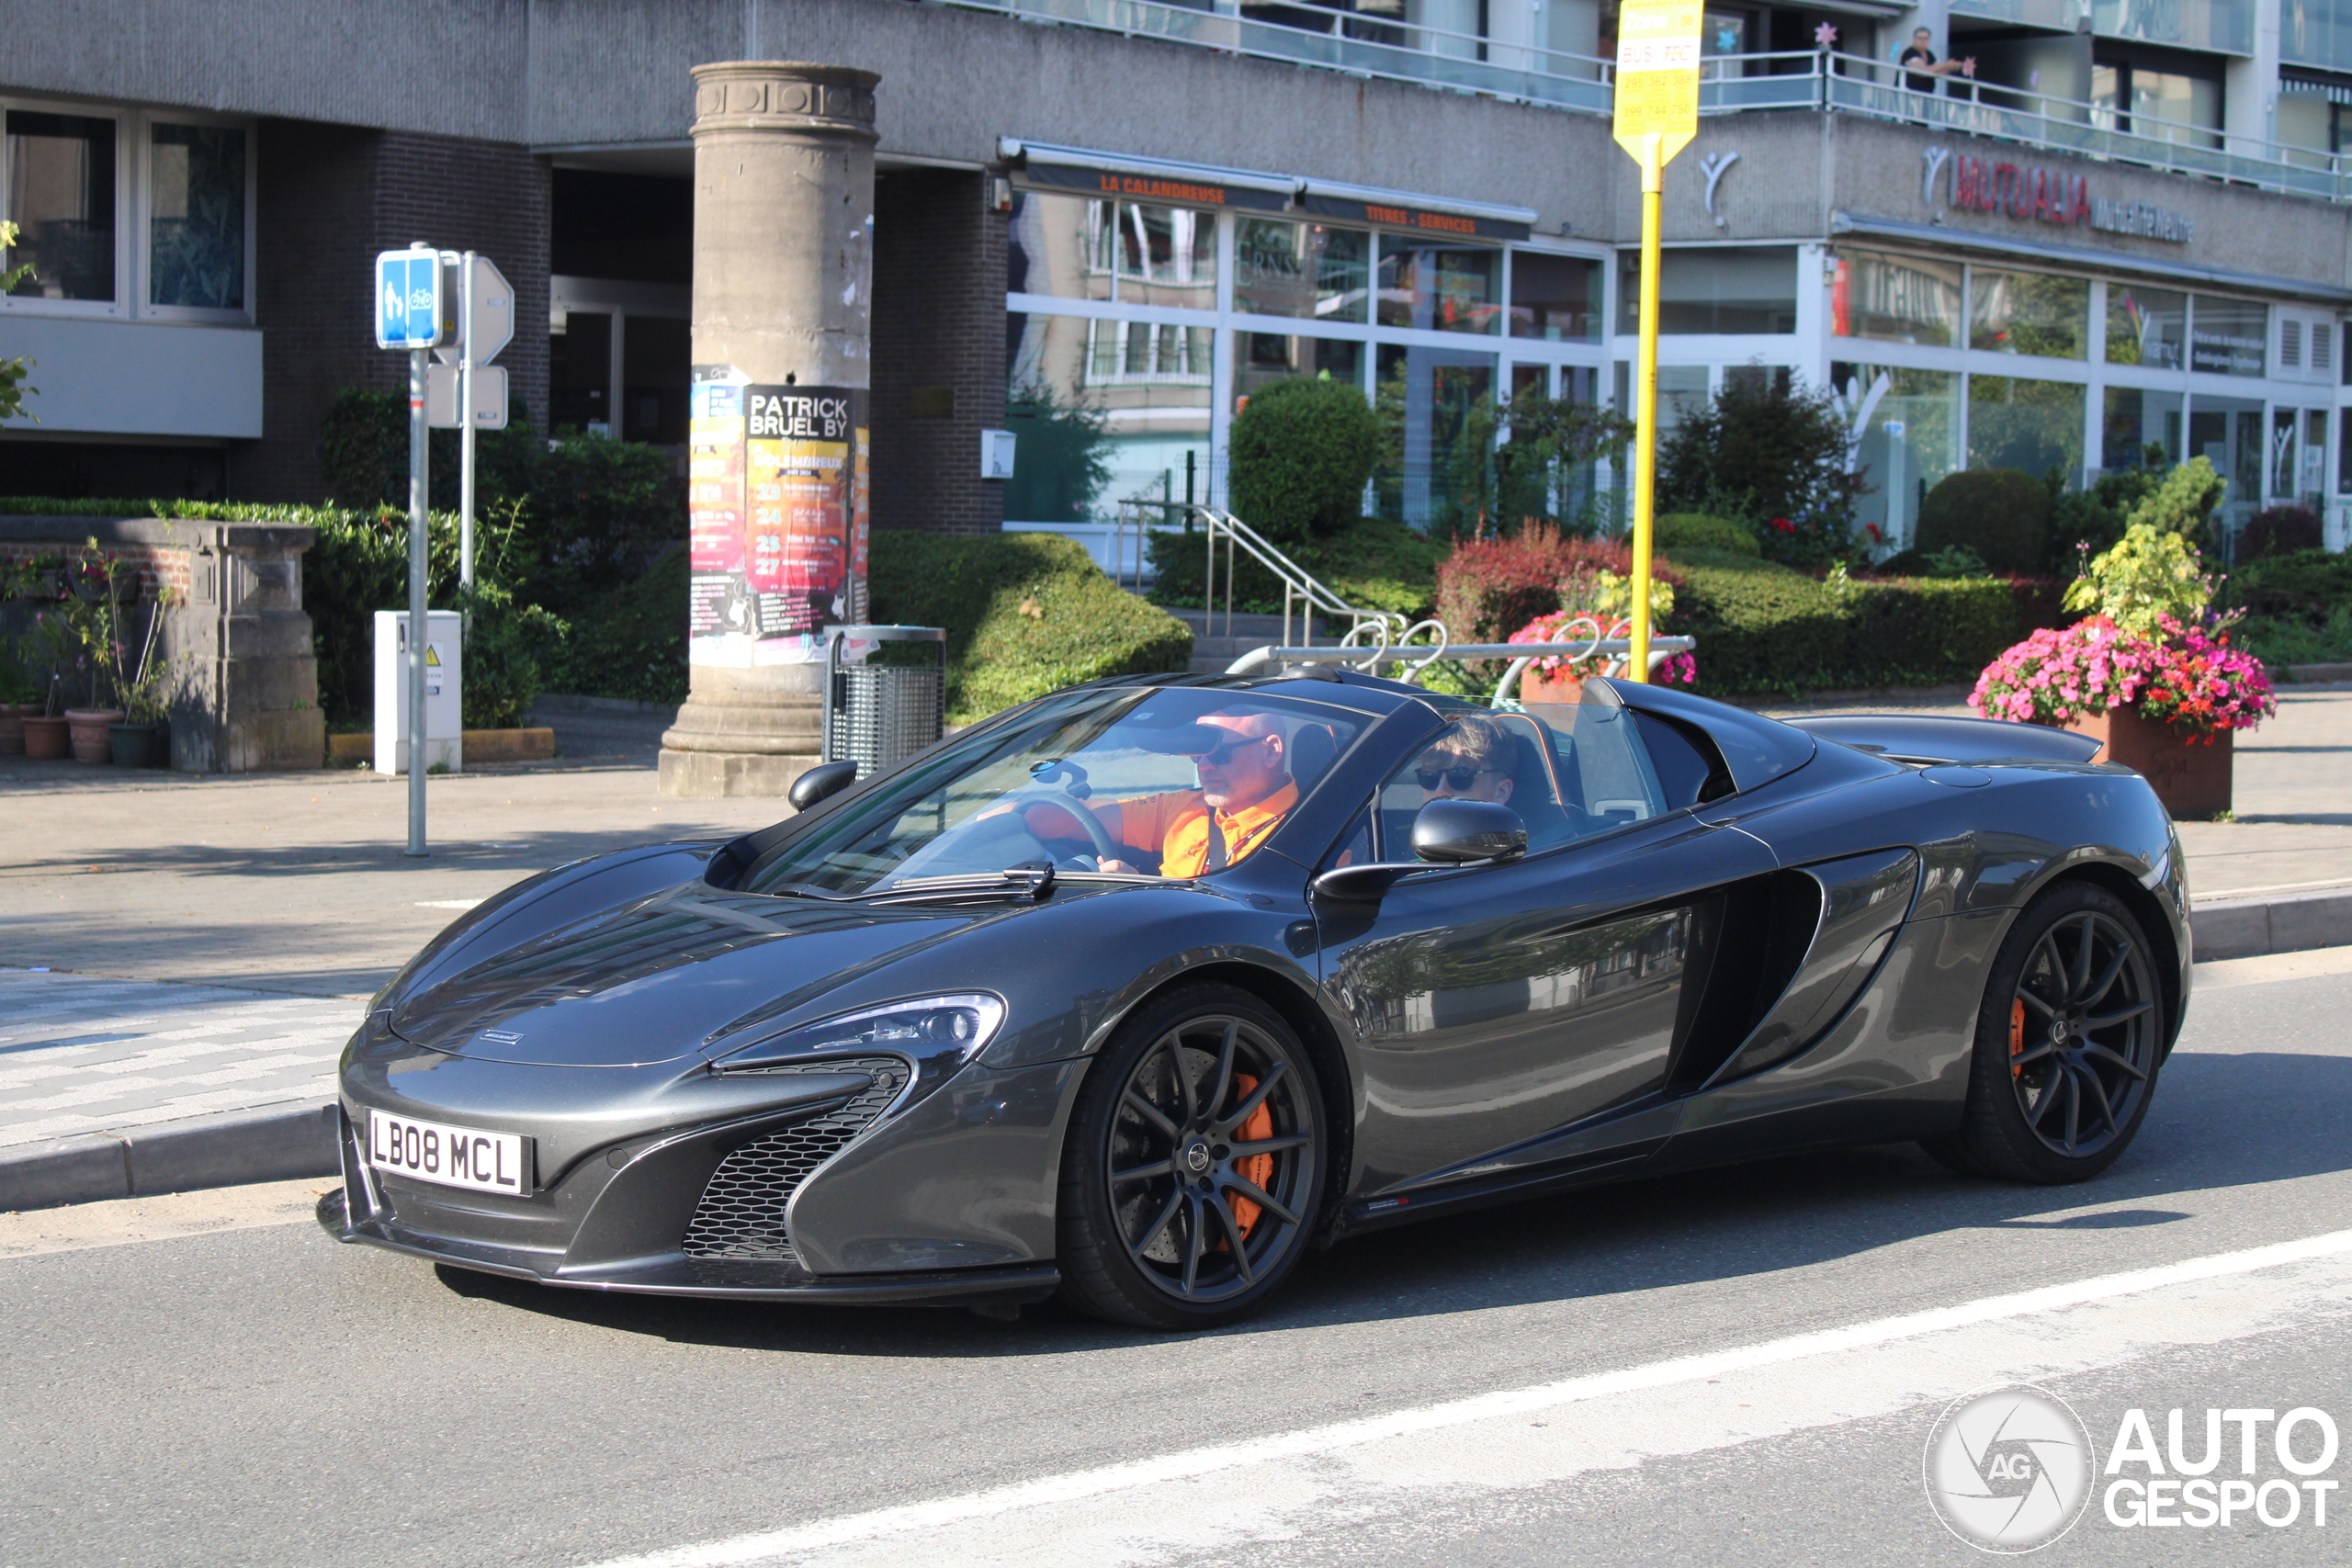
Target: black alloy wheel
1194, 1165
2067, 1044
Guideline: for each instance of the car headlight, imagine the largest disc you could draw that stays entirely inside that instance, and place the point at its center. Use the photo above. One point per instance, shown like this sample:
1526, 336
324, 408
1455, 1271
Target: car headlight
936, 1034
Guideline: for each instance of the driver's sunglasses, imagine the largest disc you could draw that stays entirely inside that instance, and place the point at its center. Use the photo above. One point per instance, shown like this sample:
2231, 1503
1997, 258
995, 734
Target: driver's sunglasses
1455, 778
1225, 751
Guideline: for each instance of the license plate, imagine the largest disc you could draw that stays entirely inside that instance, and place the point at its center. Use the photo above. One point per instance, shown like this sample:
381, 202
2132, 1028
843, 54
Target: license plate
453, 1156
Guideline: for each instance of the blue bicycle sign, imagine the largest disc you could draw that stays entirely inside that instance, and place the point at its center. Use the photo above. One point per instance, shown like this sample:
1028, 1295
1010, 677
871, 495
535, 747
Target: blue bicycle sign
412, 311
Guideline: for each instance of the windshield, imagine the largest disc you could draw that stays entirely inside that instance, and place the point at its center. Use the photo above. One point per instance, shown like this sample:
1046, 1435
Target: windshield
1127, 781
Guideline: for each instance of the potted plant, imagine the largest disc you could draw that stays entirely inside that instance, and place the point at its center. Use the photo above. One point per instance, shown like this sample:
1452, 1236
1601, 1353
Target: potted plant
18, 696
142, 738
94, 619
2149, 673
1595, 605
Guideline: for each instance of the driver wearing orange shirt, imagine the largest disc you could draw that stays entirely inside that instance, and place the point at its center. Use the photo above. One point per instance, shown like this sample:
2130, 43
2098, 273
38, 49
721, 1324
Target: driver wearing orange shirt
1246, 791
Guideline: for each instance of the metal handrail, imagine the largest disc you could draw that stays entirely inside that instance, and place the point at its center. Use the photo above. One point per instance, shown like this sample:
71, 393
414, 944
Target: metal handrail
1302, 593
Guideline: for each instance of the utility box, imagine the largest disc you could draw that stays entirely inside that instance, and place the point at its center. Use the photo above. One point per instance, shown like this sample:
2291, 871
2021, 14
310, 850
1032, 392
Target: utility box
444, 691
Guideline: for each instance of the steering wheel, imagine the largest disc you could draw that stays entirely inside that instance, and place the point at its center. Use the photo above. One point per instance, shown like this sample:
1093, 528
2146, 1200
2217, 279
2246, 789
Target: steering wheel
1099, 835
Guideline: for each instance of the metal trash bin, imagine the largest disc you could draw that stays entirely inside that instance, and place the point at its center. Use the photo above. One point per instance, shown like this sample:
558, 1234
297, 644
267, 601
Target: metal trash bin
885, 701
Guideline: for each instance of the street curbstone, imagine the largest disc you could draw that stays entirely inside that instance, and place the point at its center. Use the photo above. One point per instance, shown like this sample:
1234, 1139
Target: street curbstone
228, 1150
82, 1169
2248, 927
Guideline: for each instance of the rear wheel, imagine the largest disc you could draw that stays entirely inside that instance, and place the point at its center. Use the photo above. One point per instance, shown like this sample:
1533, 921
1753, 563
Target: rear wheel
1194, 1165
2067, 1044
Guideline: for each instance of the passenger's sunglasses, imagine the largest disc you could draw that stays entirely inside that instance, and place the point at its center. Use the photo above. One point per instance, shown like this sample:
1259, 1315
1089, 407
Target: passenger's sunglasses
1456, 778
1225, 751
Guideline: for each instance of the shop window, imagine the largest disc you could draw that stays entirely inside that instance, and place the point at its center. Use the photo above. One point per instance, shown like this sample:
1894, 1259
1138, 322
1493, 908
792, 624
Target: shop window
1714, 289
1260, 359
1167, 256
2139, 429
1554, 297
60, 195
1061, 245
1440, 287
1308, 270
1090, 431
1437, 414
2147, 327
2028, 313
1912, 440
2032, 426
1895, 298
2229, 337
195, 234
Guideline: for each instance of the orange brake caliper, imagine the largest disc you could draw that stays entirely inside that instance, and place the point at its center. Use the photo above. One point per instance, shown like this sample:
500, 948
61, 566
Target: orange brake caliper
2016, 1036
1257, 1169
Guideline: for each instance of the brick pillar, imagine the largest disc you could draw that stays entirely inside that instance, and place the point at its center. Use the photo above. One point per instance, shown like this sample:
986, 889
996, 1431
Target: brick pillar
939, 347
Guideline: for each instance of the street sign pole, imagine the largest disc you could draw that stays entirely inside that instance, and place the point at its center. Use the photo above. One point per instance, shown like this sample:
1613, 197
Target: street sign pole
466, 430
417, 626
1656, 116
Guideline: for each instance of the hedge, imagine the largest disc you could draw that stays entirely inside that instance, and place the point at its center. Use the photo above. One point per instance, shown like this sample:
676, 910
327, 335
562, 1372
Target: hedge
1025, 614
1762, 627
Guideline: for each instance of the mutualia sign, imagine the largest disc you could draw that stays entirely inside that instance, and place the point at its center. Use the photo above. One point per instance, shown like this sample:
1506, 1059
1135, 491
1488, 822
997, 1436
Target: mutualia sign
2053, 196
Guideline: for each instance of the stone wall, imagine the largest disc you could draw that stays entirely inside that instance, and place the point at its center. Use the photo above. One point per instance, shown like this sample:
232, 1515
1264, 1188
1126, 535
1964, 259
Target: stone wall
244, 672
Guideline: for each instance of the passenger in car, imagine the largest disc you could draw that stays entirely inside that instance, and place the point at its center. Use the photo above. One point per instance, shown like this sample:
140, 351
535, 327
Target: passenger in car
1473, 760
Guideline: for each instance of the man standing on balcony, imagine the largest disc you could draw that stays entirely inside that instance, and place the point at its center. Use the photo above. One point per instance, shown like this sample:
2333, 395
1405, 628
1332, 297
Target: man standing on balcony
1922, 67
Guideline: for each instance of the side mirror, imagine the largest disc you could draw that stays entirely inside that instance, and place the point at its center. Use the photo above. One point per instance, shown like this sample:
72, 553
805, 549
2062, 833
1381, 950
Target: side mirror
824, 780
1447, 833
1453, 832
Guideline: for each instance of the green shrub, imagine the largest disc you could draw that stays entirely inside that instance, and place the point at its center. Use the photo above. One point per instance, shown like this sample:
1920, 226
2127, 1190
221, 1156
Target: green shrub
1683, 531
363, 442
2308, 585
2001, 513
630, 640
1762, 627
2279, 531
1300, 455
1025, 614
1490, 588
1770, 453
510, 647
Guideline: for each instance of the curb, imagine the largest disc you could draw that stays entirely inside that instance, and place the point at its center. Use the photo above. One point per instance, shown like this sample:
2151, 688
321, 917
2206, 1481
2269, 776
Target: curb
228, 1150
2248, 927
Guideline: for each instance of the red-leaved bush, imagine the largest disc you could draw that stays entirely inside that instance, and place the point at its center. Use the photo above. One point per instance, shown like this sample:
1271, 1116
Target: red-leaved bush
1490, 588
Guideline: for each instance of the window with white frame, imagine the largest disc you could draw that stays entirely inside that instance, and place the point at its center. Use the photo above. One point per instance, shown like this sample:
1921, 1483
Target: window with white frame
128, 213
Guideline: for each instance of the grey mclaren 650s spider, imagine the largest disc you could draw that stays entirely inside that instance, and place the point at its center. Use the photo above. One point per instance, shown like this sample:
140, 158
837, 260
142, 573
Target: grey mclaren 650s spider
1139, 992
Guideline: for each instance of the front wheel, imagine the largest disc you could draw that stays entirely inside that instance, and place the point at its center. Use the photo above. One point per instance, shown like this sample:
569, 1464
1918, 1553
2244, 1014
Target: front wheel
2067, 1044
1194, 1165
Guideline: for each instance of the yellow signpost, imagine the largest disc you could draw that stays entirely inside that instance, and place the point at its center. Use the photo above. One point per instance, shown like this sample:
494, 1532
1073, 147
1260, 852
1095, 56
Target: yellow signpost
1657, 114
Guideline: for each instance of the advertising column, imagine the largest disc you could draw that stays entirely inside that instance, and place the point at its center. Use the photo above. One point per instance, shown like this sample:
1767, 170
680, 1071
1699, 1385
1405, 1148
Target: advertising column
784, 204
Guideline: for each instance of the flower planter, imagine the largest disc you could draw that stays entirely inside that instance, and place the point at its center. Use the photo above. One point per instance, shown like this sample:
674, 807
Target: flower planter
45, 737
12, 726
2190, 776
139, 745
90, 740
1540, 686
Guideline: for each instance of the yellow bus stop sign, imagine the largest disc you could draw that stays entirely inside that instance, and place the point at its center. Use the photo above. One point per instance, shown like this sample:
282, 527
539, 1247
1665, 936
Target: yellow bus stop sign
1657, 75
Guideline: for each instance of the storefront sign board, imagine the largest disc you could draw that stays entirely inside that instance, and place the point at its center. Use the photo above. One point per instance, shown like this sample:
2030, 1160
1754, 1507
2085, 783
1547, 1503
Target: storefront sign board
1160, 187
1419, 219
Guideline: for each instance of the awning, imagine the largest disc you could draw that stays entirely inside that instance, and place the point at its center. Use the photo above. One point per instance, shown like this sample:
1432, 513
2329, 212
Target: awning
1422, 214
1147, 179
1944, 237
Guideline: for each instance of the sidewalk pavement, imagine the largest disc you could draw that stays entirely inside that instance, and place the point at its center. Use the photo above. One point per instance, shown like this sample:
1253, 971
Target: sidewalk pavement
182, 958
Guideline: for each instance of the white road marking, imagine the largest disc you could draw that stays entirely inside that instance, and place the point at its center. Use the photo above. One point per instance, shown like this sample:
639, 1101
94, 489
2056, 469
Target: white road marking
1147, 1511
448, 903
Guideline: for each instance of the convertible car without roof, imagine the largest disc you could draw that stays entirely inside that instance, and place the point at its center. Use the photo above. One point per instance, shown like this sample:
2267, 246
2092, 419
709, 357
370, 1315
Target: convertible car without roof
1011, 1019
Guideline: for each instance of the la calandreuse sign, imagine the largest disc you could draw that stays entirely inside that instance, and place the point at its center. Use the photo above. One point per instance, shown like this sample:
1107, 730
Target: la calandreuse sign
2027, 194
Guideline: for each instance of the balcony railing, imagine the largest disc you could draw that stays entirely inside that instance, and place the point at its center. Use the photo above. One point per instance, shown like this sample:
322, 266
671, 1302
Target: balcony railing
1436, 57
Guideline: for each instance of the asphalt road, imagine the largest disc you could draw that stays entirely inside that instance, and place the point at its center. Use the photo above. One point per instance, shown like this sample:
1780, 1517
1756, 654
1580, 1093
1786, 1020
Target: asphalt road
1729, 1365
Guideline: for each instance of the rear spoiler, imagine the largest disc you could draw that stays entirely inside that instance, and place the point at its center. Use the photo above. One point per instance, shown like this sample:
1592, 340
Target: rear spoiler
1919, 738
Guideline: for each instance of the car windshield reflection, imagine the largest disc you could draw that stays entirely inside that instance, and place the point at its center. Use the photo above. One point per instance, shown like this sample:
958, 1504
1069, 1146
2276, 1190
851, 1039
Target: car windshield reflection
1161, 784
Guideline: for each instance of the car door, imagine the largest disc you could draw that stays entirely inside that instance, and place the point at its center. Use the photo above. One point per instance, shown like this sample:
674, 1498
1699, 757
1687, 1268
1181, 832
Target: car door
1494, 1007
